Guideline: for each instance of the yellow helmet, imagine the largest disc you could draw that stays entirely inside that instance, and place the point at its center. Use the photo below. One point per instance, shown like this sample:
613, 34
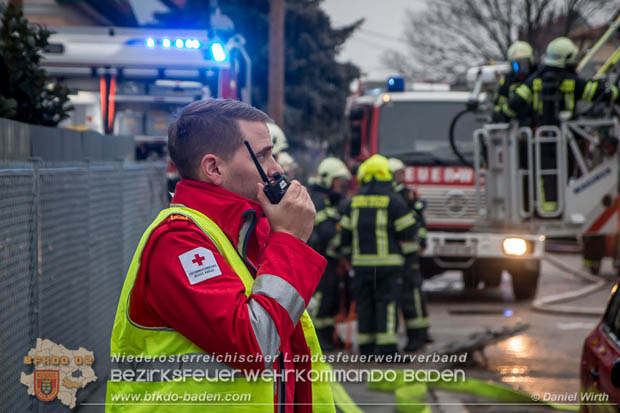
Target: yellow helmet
280, 143
396, 165
376, 167
561, 52
330, 169
520, 50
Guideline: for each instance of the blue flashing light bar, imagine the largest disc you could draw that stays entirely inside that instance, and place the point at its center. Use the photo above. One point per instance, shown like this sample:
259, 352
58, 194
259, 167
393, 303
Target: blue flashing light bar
178, 43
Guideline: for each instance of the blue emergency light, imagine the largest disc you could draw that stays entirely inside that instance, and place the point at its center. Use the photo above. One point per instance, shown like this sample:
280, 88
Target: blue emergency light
396, 84
515, 66
218, 51
166, 43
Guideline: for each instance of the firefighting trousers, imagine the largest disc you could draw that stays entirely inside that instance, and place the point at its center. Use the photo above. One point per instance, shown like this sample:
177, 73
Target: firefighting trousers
326, 303
376, 293
413, 303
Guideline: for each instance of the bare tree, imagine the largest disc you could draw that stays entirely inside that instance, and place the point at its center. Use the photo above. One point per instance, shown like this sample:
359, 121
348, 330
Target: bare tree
452, 35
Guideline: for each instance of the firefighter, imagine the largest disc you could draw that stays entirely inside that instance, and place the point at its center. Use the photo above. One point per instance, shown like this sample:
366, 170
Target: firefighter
552, 89
279, 151
373, 224
521, 58
411, 298
326, 193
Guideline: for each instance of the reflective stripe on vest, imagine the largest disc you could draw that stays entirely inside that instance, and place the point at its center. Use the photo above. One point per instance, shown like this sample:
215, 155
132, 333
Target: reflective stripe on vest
129, 338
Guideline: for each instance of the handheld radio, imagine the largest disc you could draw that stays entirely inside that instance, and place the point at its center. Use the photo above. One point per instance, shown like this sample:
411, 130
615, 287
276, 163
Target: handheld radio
274, 189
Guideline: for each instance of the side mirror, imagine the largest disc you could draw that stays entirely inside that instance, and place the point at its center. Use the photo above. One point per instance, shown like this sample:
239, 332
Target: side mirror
615, 373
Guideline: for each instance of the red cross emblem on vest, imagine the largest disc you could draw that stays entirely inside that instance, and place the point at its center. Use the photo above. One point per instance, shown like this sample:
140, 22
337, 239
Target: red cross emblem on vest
198, 259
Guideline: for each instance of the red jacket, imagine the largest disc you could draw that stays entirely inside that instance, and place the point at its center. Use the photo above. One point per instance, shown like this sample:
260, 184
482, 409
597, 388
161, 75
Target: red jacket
214, 313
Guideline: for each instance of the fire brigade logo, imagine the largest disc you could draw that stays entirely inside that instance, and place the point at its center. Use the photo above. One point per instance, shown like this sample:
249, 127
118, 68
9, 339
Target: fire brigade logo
46, 384
57, 372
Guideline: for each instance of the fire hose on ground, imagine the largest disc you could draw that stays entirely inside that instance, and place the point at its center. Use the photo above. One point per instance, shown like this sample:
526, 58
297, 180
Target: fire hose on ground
550, 304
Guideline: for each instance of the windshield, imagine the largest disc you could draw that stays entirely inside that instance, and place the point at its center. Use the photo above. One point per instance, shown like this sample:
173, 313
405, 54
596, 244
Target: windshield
419, 131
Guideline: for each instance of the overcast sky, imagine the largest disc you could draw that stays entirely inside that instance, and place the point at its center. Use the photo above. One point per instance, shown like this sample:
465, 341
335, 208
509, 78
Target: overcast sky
382, 30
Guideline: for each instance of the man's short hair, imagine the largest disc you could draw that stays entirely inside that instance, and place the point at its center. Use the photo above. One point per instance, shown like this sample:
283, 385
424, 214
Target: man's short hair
208, 126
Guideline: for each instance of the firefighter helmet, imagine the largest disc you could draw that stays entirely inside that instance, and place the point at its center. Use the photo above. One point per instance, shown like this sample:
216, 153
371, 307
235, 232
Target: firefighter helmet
330, 169
287, 162
561, 52
280, 143
520, 50
376, 167
396, 165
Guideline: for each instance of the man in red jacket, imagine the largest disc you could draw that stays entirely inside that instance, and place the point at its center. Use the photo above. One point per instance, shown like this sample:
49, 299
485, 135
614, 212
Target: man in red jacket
219, 179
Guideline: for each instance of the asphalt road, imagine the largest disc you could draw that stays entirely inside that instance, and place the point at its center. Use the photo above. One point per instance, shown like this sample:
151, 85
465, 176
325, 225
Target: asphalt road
543, 360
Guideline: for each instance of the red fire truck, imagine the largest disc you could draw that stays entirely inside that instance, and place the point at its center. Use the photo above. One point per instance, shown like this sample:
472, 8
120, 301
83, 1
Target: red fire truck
414, 127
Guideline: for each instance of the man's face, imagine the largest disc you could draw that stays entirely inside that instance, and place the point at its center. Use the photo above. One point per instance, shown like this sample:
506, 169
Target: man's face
339, 185
399, 176
239, 174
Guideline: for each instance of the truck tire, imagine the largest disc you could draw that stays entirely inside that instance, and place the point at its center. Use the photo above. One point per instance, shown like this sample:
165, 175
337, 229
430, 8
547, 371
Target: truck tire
525, 280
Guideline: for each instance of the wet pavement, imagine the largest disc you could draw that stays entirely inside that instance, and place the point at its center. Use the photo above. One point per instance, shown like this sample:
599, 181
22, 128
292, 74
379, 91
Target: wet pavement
544, 360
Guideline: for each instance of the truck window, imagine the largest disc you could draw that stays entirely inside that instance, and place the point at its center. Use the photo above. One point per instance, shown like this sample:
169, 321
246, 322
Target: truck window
356, 118
406, 127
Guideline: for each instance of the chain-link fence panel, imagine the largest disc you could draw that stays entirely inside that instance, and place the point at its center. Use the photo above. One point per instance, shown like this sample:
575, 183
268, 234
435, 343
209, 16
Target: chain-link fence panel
17, 293
68, 234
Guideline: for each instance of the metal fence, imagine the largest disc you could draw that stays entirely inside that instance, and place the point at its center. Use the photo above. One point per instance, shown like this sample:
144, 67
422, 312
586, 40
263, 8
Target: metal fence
67, 234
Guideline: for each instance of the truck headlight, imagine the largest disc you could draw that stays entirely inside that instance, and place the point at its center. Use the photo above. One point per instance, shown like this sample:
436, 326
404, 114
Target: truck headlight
514, 246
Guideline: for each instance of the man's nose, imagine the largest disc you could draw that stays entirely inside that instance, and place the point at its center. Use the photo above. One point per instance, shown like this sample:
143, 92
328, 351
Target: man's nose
274, 168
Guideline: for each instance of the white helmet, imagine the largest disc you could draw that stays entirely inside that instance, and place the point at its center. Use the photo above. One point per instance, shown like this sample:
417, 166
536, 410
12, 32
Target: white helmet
561, 52
286, 161
331, 168
280, 143
520, 50
396, 165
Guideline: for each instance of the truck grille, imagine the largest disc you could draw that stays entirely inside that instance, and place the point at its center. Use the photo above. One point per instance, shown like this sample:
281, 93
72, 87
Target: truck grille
450, 205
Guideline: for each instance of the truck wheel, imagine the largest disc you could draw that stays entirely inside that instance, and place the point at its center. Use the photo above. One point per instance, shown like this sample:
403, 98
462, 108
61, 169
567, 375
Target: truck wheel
525, 280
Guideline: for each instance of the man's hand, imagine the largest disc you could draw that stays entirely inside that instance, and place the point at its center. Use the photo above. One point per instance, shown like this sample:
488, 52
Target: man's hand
294, 214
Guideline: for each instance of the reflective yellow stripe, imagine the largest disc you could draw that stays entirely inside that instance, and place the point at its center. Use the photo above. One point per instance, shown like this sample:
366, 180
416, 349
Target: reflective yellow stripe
586, 91
372, 260
390, 336
370, 201
409, 247
364, 338
381, 232
323, 322
509, 112
345, 222
614, 93
404, 222
524, 92
320, 217
355, 215
537, 104
567, 87
422, 232
346, 250
420, 321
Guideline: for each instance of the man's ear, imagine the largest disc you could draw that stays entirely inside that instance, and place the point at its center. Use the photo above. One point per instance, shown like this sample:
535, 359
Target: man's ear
210, 169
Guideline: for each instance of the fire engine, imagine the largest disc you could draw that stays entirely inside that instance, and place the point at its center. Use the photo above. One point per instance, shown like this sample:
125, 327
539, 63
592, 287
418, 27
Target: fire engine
131, 81
414, 126
484, 210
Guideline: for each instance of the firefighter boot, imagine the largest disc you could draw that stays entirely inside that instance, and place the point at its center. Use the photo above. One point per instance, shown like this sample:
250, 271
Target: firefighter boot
416, 339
